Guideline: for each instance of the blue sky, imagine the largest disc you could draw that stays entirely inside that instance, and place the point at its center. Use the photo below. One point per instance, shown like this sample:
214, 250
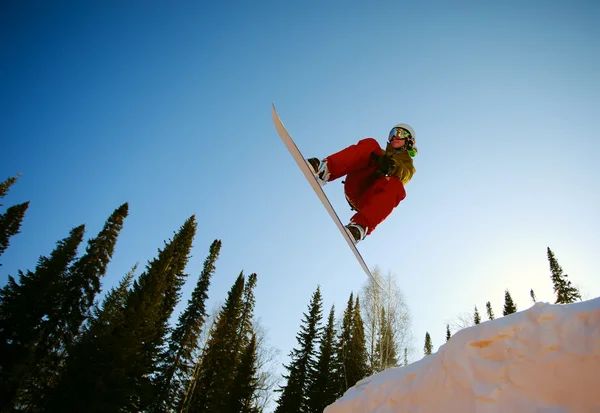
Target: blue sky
168, 107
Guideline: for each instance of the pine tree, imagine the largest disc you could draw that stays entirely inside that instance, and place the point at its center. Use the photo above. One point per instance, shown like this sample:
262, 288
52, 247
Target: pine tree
322, 386
476, 316
84, 276
244, 386
428, 348
357, 362
91, 358
125, 361
73, 306
448, 335
341, 363
532, 294
245, 329
490, 313
148, 310
212, 386
405, 356
10, 224
26, 309
294, 392
565, 292
509, 306
174, 374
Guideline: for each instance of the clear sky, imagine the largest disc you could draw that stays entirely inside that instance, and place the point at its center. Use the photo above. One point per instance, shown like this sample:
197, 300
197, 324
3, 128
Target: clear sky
168, 107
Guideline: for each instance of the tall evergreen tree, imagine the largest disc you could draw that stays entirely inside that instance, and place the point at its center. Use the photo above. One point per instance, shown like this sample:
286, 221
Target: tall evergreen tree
75, 304
476, 316
428, 348
532, 294
174, 373
245, 330
126, 361
91, 357
509, 306
148, 310
85, 275
341, 363
448, 334
26, 309
565, 292
405, 356
242, 398
488, 308
212, 386
357, 361
294, 393
322, 387
10, 224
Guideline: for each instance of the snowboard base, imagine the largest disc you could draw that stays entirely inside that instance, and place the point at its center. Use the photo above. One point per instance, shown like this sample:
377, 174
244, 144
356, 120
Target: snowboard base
312, 180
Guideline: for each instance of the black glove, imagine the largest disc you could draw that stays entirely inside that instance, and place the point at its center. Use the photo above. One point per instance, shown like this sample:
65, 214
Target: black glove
384, 163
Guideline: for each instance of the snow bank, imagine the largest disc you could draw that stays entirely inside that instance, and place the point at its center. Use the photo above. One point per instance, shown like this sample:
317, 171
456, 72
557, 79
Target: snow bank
545, 360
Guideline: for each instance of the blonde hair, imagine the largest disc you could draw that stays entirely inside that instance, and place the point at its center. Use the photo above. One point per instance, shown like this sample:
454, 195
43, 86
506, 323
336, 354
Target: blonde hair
403, 168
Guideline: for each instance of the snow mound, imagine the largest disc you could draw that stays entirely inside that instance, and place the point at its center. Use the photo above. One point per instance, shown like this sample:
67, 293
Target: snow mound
544, 360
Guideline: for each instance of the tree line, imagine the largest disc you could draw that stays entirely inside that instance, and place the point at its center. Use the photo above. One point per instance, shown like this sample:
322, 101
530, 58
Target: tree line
64, 350
565, 291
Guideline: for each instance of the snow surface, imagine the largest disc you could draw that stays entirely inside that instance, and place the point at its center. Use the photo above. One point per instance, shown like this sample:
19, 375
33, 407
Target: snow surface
545, 359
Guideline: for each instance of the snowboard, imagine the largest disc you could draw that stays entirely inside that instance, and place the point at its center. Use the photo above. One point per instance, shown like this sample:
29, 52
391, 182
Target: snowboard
312, 180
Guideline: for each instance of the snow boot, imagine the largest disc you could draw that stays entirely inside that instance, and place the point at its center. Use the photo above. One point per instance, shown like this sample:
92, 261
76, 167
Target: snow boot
319, 170
356, 232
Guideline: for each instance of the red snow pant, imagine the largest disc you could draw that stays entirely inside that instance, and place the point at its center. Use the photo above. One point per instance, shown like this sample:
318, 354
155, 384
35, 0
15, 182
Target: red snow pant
372, 195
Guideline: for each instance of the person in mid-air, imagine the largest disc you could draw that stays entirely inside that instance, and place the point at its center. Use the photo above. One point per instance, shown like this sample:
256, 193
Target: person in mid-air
375, 178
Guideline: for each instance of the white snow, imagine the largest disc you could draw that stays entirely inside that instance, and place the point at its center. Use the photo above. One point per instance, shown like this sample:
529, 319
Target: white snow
544, 360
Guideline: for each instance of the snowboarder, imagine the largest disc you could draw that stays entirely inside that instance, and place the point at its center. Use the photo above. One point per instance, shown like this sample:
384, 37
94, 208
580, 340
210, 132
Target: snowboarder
375, 178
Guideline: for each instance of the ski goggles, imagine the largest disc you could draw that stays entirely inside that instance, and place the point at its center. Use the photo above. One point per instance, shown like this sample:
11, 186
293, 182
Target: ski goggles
399, 134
